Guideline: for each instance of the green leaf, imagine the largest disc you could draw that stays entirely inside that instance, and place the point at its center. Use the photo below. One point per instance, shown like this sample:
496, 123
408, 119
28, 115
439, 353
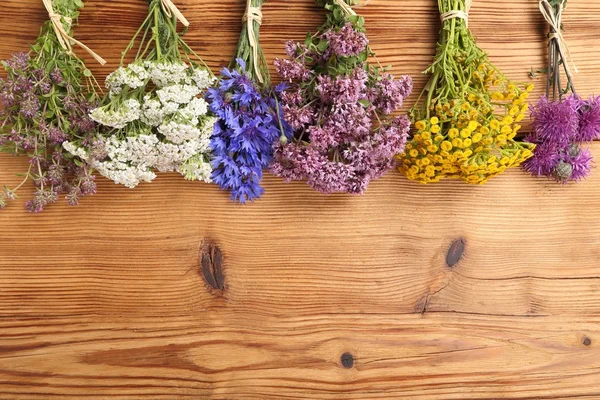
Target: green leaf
322, 46
87, 73
308, 40
337, 14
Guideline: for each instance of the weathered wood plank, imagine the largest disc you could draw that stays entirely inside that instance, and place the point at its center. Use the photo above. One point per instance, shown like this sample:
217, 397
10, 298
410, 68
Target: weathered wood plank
110, 300
222, 355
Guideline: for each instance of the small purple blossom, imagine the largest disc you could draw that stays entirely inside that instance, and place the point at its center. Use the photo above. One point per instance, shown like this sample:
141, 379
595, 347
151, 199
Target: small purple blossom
56, 76
30, 106
56, 136
346, 41
19, 61
291, 70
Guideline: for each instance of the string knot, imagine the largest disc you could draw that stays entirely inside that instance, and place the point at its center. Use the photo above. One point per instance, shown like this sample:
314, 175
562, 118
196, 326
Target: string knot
347, 9
169, 8
554, 19
62, 34
252, 15
461, 14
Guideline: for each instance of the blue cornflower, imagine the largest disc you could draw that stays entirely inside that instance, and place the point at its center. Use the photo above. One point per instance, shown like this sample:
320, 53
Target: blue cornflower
243, 137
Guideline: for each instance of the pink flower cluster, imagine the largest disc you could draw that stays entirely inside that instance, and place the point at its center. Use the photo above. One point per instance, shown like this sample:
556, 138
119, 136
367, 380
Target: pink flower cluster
339, 109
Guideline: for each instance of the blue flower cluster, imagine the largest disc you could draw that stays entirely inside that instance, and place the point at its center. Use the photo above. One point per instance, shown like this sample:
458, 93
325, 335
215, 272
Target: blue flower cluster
243, 138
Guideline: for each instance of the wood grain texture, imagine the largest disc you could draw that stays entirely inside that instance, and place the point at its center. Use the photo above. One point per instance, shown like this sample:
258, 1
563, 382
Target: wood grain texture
110, 299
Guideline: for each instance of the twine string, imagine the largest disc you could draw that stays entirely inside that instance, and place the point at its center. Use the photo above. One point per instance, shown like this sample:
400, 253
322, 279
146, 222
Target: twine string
252, 15
347, 9
462, 14
63, 36
554, 19
169, 8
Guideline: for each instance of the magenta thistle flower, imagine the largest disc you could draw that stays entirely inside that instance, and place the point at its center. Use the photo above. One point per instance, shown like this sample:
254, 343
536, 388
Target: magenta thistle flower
589, 120
555, 121
580, 161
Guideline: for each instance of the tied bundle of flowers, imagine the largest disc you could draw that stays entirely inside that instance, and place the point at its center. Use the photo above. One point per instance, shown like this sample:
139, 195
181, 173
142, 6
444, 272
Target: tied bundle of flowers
467, 123
248, 125
154, 117
340, 108
45, 100
562, 121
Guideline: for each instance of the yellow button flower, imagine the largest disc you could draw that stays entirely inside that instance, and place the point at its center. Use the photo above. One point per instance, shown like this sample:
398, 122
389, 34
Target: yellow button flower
446, 145
507, 120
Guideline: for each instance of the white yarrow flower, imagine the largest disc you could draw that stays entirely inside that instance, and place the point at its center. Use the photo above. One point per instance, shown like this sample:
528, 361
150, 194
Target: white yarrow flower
76, 151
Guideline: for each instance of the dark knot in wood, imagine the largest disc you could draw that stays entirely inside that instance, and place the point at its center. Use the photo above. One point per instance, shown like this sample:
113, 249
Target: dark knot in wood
347, 360
455, 252
587, 341
211, 263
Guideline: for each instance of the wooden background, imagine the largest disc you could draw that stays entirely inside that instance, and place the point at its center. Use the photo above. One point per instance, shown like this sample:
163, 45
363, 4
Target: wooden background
108, 300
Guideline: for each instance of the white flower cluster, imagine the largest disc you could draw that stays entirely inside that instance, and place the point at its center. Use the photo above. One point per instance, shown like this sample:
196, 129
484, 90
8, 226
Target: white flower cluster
117, 116
76, 151
137, 74
168, 131
134, 75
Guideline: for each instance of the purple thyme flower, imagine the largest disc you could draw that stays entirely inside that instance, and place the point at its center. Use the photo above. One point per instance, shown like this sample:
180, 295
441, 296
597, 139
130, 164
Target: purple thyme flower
56, 76
30, 105
56, 136
19, 61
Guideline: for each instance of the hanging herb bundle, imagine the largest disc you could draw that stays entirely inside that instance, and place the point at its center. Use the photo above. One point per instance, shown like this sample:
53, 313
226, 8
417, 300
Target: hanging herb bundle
340, 107
45, 100
468, 115
248, 125
562, 121
154, 117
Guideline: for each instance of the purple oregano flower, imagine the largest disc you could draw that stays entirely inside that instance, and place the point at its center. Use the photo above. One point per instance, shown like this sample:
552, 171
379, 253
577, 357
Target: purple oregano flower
340, 109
